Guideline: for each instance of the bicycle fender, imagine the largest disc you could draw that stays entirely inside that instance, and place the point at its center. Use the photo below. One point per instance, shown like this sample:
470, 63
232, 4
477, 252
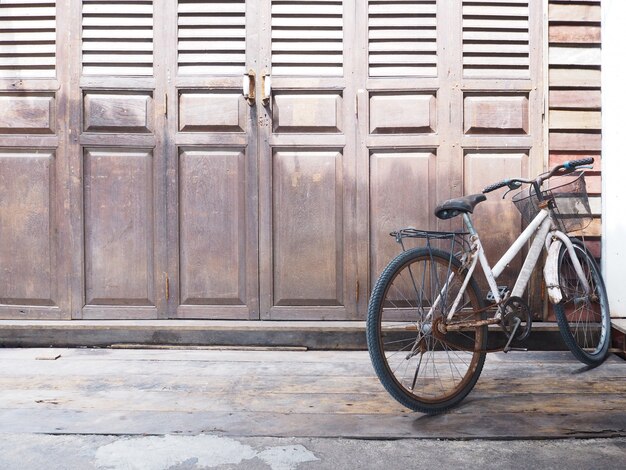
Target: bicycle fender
551, 272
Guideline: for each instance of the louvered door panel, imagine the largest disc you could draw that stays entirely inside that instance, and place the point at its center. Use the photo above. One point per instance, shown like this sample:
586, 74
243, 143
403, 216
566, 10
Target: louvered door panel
402, 38
307, 38
501, 112
211, 37
496, 39
307, 128
400, 112
33, 161
213, 257
117, 38
122, 157
27, 39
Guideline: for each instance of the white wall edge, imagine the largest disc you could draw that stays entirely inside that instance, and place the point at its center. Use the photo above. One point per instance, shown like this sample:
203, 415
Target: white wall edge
614, 153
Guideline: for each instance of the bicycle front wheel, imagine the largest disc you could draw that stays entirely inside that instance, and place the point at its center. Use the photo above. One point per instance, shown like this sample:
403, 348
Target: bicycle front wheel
423, 368
583, 316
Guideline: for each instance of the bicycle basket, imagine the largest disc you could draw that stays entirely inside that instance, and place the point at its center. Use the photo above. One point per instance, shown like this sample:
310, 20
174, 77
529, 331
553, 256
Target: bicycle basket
570, 203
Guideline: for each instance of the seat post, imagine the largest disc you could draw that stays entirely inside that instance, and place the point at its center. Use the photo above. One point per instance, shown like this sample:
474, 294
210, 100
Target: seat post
468, 223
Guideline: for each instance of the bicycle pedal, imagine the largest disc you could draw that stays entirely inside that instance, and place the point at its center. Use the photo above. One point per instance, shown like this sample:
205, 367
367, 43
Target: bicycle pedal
506, 350
507, 346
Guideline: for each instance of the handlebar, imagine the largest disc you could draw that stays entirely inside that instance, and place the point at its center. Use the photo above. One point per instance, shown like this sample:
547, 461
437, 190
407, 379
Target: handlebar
562, 169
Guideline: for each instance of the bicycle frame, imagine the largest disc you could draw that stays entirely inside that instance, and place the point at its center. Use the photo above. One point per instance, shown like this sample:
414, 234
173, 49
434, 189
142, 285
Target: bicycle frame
544, 232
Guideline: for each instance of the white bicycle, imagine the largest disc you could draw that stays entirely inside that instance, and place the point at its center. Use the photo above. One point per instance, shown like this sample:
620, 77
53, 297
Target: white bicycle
427, 320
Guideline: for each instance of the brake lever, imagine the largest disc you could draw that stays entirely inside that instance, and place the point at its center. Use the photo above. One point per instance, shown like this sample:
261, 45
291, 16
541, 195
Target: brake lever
507, 192
513, 186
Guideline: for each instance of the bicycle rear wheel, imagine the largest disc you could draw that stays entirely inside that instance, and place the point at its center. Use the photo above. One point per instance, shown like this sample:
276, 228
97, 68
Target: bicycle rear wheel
422, 368
583, 317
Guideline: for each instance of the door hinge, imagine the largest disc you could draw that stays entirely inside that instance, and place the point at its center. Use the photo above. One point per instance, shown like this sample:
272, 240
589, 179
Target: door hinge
165, 111
358, 291
356, 106
167, 287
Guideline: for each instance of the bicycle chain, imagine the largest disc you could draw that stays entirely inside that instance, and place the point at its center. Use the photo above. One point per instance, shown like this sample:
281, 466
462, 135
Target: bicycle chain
439, 335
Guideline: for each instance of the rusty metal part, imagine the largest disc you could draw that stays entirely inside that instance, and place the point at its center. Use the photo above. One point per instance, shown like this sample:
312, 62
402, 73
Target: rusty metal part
440, 331
464, 325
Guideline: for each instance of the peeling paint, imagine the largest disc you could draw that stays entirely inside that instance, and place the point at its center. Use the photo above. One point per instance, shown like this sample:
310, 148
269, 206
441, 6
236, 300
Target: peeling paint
202, 451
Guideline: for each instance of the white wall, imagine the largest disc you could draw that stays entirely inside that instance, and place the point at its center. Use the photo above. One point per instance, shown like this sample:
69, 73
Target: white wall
614, 153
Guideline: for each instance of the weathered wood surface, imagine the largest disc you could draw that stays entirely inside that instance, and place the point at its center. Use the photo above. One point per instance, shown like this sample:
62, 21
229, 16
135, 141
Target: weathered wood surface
146, 187
281, 393
574, 37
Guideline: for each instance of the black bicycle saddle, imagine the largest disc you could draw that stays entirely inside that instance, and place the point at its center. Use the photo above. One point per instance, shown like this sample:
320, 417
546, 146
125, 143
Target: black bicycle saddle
459, 205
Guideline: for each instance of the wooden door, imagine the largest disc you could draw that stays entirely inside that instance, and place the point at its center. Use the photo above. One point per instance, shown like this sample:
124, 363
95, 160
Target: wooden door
138, 182
117, 117
452, 101
212, 176
307, 126
34, 216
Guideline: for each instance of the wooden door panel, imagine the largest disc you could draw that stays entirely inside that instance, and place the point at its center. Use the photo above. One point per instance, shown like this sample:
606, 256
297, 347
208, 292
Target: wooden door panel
307, 190
495, 114
119, 228
307, 228
212, 190
118, 108
27, 225
118, 38
497, 220
34, 200
496, 39
403, 113
27, 113
212, 110
402, 38
28, 40
213, 244
211, 39
307, 38
318, 112
120, 112
400, 119
402, 194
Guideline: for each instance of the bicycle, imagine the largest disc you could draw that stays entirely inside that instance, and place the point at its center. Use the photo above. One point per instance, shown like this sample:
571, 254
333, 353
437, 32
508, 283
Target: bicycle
428, 322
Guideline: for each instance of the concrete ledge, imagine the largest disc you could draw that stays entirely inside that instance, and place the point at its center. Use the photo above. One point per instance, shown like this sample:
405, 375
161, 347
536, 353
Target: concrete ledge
619, 324
322, 335
618, 336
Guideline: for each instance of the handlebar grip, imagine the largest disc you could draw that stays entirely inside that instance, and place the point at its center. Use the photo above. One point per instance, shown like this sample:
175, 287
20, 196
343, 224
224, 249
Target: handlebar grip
572, 164
498, 185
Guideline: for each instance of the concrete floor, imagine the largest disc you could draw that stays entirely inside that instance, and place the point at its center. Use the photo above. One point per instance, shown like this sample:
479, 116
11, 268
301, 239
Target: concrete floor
249, 409
86, 452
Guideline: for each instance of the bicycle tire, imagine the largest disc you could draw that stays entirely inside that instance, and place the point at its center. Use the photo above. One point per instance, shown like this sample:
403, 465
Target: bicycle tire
584, 320
393, 327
